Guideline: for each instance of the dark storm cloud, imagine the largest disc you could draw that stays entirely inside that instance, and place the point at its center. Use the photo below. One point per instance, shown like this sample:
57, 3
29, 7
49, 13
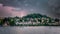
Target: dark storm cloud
23, 3
33, 6
26, 4
10, 2
54, 6
47, 7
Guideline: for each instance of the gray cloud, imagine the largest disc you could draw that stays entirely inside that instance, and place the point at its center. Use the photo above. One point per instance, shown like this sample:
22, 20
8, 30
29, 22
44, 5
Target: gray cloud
48, 7
3, 12
54, 7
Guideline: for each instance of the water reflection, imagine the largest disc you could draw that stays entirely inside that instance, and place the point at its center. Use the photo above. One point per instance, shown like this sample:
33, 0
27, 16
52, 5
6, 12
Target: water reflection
30, 30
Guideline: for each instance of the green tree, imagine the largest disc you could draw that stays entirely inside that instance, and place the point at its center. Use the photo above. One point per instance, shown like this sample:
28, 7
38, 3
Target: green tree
12, 22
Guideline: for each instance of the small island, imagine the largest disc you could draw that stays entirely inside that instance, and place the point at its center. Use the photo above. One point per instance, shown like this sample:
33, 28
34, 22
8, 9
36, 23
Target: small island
30, 20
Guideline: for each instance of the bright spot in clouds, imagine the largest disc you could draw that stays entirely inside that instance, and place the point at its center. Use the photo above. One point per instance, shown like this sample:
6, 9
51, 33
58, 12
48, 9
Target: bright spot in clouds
8, 11
20, 13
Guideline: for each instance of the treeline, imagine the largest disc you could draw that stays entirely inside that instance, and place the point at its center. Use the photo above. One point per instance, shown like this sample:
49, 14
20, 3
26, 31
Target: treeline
30, 17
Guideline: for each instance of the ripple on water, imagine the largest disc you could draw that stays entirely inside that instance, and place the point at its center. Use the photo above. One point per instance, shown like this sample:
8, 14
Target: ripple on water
30, 30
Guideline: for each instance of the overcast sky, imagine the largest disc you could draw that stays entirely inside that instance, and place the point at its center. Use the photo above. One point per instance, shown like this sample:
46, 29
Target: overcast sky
23, 7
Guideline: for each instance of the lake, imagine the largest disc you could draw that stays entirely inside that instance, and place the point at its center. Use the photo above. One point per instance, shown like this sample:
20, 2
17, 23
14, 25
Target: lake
30, 30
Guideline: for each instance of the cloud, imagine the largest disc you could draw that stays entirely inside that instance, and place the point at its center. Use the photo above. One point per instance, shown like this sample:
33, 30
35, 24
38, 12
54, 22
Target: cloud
48, 7
3, 11
8, 11
14, 3
54, 6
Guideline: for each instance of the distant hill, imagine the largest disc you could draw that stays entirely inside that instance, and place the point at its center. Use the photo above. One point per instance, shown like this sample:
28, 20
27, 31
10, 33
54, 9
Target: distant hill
35, 16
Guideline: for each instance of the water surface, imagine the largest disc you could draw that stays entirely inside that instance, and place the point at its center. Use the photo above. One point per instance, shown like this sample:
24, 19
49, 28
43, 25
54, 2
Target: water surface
30, 30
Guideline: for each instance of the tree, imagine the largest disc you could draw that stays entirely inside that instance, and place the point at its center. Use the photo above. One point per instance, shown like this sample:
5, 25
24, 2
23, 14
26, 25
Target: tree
12, 22
56, 20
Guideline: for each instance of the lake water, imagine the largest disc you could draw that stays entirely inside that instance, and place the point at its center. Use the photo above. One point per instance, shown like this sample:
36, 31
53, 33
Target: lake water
30, 30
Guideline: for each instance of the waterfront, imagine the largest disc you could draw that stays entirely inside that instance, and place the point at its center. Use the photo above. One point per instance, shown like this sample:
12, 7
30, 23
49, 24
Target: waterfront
30, 30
